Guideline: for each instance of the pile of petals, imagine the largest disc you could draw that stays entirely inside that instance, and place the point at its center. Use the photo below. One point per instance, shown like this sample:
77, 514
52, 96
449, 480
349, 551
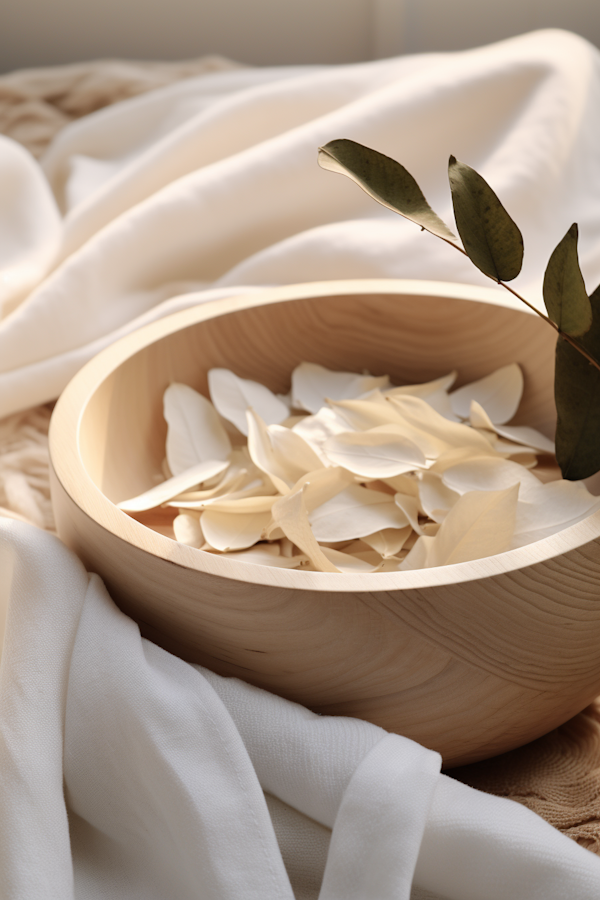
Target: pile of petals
348, 473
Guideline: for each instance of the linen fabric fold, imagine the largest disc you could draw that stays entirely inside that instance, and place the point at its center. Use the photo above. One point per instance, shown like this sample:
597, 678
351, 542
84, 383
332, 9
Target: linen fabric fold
213, 183
166, 764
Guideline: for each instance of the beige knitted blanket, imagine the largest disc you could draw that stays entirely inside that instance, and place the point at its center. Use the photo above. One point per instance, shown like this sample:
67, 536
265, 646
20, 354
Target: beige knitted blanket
557, 776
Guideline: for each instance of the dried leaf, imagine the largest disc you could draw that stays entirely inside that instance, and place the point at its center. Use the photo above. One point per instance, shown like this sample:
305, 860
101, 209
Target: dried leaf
500, 393
490, 237
417, 415
435, 497
188, 531
233, 531
195, 433
553, 505
348, 563
291, 516
313, 385
388, 542
491, 474
480, 524
291, 448
385, 180
577, 395
264, 456
174, 486
410, 507
232, 396
374, 455
267, 555
531, 438
353, 513
564, 291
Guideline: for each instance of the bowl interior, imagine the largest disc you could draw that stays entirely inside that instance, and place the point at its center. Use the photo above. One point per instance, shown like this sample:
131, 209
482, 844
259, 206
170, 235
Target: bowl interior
411, 337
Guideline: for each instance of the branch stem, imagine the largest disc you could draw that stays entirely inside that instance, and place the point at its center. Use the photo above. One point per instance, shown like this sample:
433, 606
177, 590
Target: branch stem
575, 344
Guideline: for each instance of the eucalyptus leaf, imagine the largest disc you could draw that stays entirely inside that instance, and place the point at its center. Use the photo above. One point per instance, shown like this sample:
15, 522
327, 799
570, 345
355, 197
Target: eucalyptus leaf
491, 239
565, 295
577, 396
384, 179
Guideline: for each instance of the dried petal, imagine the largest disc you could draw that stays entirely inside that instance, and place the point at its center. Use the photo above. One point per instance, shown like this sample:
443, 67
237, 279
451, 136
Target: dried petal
313, 385
233, 531
188, 530
291, 516
174, 486
500, 393
232, 396
195, 433
374, 455
353, 513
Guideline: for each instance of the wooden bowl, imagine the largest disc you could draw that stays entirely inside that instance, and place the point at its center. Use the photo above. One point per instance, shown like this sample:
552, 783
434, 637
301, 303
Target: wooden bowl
470, 659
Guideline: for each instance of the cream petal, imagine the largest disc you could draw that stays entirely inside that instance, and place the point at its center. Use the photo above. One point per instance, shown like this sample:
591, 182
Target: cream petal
194, 431
232, 396
388, 542
233, 531
261, 555
174, 486
500, 393
480, 524
435, 497
553, 505
346, 562
353, 513
362, 415
291, 517
492, 475
410, 507
243, 504
416, 413
188, 530
374, 455
520, 434
264, 456
419, 555
297, 455
312, 385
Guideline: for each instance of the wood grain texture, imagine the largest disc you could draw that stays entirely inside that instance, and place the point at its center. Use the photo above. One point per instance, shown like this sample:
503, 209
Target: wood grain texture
470, 659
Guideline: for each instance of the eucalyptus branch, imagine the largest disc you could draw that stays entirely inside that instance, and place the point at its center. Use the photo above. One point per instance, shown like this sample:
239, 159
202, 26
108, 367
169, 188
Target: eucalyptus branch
493, 243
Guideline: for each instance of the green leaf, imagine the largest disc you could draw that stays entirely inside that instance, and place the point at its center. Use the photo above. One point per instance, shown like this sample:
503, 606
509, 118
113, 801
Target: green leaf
491, 239
577, 395
385, 180
565, 295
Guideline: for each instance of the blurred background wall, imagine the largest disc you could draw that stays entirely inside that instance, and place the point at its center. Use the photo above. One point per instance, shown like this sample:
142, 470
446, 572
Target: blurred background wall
270, 32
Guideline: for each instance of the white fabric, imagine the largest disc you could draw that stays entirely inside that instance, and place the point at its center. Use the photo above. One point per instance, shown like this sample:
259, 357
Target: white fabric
213, 183
179, 783
165, 766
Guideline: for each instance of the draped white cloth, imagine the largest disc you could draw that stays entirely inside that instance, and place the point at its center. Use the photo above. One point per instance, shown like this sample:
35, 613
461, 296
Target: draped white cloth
212, 183
165, 765
179, 783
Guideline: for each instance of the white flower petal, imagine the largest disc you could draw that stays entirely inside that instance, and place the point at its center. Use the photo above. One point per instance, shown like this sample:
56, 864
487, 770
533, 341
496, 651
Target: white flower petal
353, 513
233, 531
188, 530
232, 396
500, 393
195, 433
312, 385
374, 455
174, 486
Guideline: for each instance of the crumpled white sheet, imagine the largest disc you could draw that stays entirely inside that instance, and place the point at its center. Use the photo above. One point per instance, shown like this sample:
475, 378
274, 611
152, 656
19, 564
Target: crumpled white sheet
165, 764
212, 183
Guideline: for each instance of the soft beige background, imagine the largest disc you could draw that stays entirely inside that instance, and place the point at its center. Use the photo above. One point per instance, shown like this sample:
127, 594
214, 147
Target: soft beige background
271, 32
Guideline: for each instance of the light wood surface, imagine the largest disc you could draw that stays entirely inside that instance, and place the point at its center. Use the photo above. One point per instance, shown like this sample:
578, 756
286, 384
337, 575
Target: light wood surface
470, 659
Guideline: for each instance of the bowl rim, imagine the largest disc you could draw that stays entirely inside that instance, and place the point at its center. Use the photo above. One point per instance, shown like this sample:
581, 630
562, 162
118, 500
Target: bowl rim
68, 468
